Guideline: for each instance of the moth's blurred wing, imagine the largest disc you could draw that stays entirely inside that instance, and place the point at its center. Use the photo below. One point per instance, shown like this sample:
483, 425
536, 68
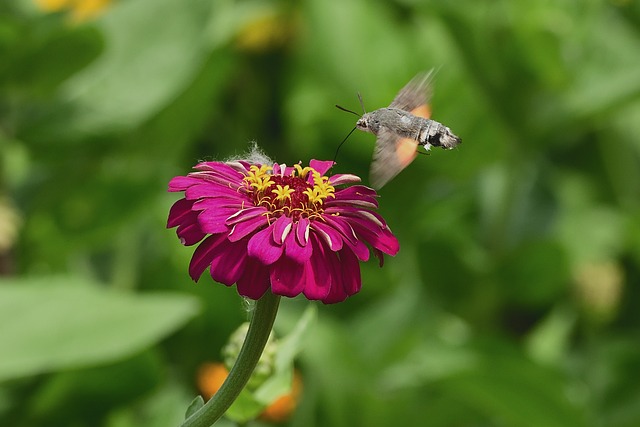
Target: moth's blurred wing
415, 96
392, 154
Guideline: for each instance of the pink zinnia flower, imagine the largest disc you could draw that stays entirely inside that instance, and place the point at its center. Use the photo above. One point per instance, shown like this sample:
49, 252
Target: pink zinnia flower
287, 228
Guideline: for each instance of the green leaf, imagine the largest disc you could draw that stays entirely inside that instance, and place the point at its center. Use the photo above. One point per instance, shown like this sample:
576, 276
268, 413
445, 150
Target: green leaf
54, 323
535, 273
75, 396
549, 342
43, 64
194, 407
583, 219
147, 61
245, 408
516, 392
288, 348
292, 344
158, 409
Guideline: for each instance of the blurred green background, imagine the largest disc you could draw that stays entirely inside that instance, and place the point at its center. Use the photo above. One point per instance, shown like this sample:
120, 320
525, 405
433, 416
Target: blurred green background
513, 300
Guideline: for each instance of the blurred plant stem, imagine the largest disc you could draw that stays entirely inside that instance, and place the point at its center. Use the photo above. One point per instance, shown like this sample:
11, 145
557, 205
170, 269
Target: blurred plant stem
262, 320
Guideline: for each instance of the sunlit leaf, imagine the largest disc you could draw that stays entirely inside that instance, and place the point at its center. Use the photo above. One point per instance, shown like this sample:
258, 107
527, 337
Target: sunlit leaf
55, 323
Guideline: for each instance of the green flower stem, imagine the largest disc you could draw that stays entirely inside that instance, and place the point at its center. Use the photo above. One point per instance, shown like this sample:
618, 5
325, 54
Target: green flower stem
259, 329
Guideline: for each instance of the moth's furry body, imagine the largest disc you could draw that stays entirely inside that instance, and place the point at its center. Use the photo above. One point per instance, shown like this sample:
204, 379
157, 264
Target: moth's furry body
401, 128
426, 132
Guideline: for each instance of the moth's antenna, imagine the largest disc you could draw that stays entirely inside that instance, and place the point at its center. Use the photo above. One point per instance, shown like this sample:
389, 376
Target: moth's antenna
343, 141
361, 103
354, 128
348, 111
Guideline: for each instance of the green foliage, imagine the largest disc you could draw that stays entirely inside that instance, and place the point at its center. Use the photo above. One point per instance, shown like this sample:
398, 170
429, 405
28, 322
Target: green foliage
513, 300
287, 350
262, 392
194, 407
54, 323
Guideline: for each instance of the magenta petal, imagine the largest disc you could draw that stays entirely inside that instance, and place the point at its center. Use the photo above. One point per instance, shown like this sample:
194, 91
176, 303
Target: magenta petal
358, 192
264, 248
350, 272
282, 169
343, 226
179, 212
302, 231
294, 250
181, 183
341, 178
241, 166
360, 249
223, 170
220, 180
338, 205
188, 229
321, 166
213, 204
388, 242
255, 280
384, 241
329, 234
243, 229
287, 278
379, 238
228, 262
246, 213
203, 255
354, 195
362, 215
318, 283
281, 229
212, 221
337, 292
204, 189
223, 179
318, 272
190, 233
380, 256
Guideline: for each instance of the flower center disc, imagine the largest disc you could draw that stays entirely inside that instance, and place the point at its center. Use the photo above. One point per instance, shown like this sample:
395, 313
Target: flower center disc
300, 194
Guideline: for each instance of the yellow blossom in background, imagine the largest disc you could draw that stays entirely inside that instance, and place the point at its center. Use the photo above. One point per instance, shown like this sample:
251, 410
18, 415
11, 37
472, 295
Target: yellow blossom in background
268, 31
80, 10
88, 9
598, 287
282, 408
212, 375
53, 5
210, 378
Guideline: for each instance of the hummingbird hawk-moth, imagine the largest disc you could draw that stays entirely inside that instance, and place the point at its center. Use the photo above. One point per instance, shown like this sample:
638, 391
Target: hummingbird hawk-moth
401, 128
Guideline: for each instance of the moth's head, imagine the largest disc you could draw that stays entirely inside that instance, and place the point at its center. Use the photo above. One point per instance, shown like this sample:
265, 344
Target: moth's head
369, 122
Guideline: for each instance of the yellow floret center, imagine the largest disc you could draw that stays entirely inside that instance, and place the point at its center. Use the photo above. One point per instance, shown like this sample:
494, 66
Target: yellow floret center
294, 195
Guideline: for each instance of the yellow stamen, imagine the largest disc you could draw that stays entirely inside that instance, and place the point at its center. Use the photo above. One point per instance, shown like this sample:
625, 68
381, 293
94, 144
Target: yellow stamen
321, 189
279, 198
302, 172
259, 178
283, 193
